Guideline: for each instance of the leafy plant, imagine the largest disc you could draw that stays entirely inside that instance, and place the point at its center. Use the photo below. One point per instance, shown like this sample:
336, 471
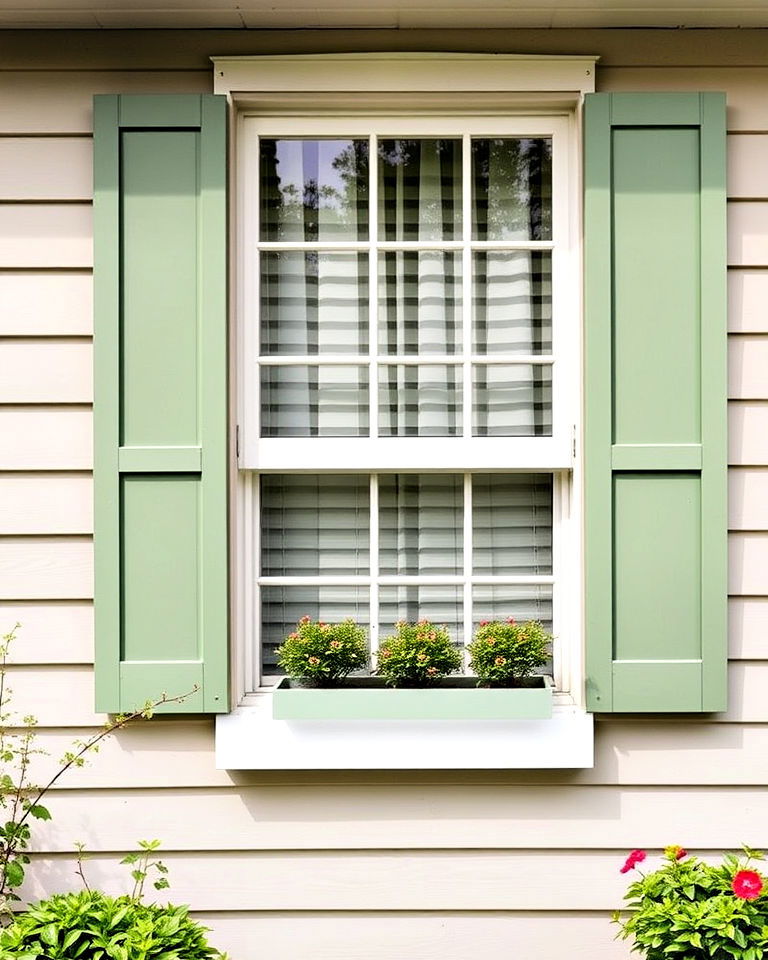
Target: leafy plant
694, 911
418, 655
321, 654
93, 926
20, 798
504, 653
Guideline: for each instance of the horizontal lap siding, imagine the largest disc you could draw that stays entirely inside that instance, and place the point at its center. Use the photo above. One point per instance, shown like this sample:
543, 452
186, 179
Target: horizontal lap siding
348, 865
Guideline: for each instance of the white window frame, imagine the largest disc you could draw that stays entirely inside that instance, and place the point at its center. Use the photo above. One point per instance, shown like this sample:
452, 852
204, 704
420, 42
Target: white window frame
491, 96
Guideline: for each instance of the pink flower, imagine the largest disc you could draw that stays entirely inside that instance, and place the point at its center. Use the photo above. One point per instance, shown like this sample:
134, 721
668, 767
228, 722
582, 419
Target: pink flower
431, 670
500, 661
335, 644
314, 661
747, 884
635, 857
422, 623
484, 623
511, 620
304, 620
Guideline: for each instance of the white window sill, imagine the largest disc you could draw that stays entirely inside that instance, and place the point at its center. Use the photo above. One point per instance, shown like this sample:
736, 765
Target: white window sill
250, 739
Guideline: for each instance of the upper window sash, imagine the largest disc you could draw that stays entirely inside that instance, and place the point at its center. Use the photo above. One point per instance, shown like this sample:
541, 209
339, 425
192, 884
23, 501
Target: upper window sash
371, 451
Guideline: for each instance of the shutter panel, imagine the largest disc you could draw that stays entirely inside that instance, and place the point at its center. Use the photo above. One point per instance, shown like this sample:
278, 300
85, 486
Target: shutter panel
160, 414
655, 410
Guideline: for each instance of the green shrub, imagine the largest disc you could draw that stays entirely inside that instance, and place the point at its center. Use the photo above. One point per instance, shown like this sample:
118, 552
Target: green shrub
503, 653
418, 655
321, 654
693, 911
92, 926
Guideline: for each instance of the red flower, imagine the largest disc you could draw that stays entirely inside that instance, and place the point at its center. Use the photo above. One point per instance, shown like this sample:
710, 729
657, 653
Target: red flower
635, 857
675, 852
747, 884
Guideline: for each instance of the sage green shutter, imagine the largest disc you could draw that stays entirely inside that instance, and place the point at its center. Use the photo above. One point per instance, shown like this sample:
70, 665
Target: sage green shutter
655, 387
160, 407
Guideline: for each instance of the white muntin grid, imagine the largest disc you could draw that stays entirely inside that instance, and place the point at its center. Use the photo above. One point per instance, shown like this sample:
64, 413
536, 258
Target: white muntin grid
464, 455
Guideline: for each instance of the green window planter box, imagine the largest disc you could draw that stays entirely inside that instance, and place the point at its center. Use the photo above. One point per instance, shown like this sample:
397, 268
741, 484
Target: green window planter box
368, 698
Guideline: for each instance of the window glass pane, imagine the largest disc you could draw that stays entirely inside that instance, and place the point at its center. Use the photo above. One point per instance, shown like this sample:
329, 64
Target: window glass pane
521, 601
442, 605
419, 302
512, 189
419, 400
323, 401
512, 525
314, 189
283, 607
314, 302
420, 524
512, 302
419, 189
512, 400
314, 526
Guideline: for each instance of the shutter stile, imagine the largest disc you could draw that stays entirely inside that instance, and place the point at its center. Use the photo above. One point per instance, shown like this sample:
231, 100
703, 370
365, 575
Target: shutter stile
655, 405
160, 414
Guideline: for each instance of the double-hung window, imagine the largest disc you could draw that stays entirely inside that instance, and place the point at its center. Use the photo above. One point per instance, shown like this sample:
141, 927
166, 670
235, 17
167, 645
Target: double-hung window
409, 389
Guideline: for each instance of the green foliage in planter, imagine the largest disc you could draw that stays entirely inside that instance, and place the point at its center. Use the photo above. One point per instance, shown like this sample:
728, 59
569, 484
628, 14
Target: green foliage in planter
502, 653
92, 926
418, 655
321, 654
691, 910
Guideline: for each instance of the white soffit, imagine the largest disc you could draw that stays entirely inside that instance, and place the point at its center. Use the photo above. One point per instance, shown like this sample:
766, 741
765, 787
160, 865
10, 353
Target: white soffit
355, 78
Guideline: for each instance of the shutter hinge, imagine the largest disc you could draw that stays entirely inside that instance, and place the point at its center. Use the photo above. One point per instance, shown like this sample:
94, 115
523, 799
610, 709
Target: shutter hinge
574, 441
237, 441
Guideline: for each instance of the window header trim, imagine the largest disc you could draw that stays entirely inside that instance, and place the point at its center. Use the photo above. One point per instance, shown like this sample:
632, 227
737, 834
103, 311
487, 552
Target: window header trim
430, 74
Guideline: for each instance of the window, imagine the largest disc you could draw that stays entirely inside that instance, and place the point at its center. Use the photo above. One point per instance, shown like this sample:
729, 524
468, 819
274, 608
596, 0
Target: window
409, 374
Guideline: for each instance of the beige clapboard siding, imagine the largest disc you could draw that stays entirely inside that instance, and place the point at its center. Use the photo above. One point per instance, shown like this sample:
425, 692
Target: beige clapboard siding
745, 87
55, 695
46, 371
747, 300
748, 366
51, 631
530, 879
46, 503
46, 304
748, 499
41, 102
748, 433
46, 235
748, 233
388, 816
46, 438
446, 935
747, 159
748, 627
46, 568
748, 564
46, 168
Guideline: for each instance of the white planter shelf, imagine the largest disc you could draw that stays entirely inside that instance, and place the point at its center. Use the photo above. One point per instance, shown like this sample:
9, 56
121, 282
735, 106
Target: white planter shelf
368, 698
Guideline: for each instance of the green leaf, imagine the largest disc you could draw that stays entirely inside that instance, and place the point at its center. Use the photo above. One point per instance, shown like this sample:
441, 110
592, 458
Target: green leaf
14, 873
39, 812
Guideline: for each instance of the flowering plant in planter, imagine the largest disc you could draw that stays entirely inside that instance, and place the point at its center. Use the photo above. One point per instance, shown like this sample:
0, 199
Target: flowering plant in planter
504, 653
321, 654
694, 911
418, 655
